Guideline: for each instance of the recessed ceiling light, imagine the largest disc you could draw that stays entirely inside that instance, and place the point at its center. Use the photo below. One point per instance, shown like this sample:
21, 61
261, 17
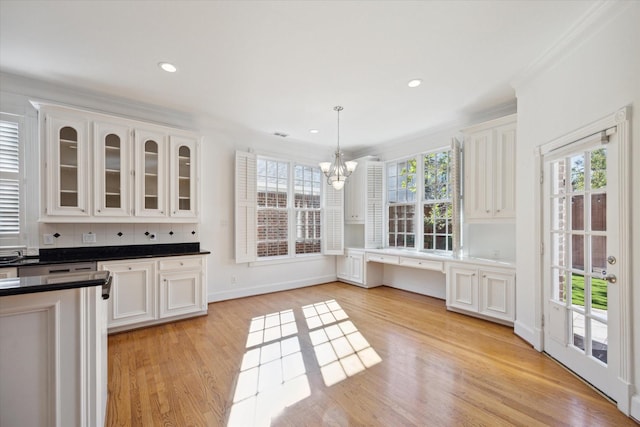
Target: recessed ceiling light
168, 67
313, 131
414, 83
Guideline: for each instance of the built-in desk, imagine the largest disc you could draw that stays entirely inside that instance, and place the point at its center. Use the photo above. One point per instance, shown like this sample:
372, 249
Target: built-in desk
478, 286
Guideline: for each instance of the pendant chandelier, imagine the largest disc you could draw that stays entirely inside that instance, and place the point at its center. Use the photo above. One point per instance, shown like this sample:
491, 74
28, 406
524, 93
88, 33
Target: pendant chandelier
338, 171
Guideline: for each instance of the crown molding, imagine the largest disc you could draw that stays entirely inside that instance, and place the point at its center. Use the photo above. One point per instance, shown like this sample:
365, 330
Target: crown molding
596, 17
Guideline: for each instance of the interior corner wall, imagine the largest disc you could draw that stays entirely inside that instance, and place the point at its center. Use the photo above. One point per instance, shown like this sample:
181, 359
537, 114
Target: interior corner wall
226, 279
597, 77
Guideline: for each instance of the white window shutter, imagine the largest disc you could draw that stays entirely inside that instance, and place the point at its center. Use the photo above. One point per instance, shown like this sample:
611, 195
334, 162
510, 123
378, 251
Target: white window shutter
245, 220
456, 176
333, 235
374, 227
9, 180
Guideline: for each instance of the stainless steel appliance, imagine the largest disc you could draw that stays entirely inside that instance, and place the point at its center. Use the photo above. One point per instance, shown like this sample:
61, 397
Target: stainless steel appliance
45, 270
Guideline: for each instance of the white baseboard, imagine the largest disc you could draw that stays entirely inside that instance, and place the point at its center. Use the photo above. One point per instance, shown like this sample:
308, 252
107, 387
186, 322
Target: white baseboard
268, 288
530, 335
635, 407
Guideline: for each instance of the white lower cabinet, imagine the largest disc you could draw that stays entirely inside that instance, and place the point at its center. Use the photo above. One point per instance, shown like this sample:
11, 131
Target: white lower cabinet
354, 268
181, 287
475, 289
133, 296
350, 266
147, 292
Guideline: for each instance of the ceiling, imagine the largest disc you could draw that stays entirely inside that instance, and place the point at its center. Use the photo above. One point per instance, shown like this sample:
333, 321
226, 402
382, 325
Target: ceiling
281, 66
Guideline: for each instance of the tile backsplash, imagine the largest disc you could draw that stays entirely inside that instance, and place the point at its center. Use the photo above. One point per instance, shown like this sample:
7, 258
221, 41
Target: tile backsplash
66, 235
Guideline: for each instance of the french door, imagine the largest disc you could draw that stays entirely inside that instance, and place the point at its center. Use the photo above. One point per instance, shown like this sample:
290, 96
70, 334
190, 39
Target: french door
581, 267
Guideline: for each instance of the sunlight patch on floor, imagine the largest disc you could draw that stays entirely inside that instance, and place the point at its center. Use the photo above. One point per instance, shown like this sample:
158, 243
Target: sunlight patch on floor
341, 350
272, 374
271, 327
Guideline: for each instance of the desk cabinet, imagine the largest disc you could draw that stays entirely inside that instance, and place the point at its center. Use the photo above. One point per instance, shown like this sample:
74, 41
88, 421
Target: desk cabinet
488, 292
350, 266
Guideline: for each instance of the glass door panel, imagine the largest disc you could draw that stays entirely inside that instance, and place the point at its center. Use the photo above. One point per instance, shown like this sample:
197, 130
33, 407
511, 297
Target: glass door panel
578, 248
112, 171
68, 155
183, 175
184, 178
151, 175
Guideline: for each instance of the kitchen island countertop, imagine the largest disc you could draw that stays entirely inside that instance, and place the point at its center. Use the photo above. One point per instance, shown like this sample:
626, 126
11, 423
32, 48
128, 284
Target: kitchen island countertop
34, 284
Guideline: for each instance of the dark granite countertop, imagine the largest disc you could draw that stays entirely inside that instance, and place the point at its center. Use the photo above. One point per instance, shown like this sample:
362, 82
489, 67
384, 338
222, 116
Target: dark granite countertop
107, 253
57, 282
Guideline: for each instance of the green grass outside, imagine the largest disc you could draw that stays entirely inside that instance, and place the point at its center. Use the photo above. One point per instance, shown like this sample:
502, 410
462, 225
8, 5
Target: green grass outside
598, 292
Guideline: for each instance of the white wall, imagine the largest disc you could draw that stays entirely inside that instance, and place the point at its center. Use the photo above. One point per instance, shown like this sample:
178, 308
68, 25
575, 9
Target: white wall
216, 230
597, 75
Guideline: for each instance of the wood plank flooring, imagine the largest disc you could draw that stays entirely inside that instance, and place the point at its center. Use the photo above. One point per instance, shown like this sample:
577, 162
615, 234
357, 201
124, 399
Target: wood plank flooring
435, 368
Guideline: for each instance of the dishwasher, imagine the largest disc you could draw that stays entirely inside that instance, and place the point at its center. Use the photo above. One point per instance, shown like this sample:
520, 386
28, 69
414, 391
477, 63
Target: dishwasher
46, 270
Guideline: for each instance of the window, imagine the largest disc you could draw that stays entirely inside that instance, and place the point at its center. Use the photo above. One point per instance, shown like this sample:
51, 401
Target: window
437, 205
273, 214
282, 207
420, 212
10, 180
307, 194
401, 198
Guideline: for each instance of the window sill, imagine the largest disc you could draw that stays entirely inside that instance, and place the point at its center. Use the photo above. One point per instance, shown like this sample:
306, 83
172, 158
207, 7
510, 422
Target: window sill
287, 260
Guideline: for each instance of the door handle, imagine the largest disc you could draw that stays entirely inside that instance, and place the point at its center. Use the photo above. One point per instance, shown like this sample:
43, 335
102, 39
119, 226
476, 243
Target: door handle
611, 278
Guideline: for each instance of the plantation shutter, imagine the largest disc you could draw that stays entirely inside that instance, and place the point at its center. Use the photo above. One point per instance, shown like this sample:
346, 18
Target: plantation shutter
333, 227
245, 215
374, 222
9, 178
456, 178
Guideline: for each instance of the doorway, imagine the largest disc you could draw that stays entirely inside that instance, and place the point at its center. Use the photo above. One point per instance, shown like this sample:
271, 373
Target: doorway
584, 266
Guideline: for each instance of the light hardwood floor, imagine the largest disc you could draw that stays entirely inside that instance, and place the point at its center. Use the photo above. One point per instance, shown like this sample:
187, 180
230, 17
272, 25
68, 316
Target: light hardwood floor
435, 368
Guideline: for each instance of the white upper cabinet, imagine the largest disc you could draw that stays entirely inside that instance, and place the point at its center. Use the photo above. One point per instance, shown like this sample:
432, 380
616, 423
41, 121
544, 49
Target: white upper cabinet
355, 200
101, 168
489, 171
184, 158
151, 173
66, 158
112, 169
364, 200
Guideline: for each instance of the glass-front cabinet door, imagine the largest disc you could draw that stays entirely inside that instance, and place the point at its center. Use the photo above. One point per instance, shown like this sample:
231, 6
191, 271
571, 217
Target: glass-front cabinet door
150, 173
112, 190
184, 173
66, 174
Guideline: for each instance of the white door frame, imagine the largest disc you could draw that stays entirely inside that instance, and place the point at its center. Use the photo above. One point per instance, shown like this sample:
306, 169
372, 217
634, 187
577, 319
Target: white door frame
621, 121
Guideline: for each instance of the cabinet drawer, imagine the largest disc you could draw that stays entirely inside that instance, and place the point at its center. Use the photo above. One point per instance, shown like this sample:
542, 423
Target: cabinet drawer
425, 264
385, 259
180, 263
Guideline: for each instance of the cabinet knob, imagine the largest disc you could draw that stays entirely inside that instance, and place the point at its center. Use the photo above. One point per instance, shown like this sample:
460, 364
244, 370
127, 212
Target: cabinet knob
498, 210
182, 263
487, 210
129, 268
